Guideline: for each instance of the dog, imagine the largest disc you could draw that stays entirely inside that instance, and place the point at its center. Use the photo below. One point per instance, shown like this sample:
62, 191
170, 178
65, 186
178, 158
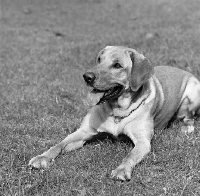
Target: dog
129, 96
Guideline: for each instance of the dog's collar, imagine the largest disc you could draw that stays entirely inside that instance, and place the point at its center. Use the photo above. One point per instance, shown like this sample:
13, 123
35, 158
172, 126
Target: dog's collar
138, 100
118, 118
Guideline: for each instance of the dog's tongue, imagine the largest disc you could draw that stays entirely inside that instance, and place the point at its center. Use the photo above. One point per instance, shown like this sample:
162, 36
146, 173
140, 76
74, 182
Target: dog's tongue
94, 98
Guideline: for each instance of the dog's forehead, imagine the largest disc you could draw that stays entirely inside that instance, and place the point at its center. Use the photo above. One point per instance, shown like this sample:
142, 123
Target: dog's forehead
112, 53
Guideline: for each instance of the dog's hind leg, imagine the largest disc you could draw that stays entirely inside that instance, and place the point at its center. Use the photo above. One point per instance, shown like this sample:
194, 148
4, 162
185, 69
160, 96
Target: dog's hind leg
198, 113
190, 105
187, 116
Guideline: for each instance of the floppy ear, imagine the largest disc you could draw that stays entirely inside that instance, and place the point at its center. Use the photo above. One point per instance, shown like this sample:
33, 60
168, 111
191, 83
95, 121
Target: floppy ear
141, 70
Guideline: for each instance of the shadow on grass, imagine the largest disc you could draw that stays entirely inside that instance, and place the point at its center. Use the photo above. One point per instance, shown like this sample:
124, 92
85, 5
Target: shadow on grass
106, 136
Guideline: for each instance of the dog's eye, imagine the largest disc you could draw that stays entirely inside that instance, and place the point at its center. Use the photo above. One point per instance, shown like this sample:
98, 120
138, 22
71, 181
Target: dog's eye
116, 66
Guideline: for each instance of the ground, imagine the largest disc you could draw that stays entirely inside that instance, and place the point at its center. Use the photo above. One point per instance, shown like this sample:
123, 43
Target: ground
45, 47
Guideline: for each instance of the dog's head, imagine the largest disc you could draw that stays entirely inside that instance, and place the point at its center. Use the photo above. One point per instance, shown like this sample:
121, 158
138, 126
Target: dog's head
117, 69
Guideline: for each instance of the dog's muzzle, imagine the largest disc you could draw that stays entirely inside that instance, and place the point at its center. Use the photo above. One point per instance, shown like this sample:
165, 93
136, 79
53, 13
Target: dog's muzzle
109, 93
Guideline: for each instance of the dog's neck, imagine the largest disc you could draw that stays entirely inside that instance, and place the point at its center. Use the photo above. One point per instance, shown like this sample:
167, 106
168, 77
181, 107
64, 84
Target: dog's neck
129, 101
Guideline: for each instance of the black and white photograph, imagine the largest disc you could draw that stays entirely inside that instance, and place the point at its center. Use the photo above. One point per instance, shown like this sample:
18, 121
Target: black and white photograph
99, 98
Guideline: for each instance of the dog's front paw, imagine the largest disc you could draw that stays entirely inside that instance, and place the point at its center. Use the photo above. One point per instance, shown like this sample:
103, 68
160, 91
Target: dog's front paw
40, 162
123, 172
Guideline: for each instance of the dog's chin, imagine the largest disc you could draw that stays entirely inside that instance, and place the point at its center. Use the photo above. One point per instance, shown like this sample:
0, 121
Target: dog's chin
98, 96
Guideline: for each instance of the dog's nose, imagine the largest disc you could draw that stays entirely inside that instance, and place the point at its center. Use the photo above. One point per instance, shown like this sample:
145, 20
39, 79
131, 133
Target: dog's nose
89, 77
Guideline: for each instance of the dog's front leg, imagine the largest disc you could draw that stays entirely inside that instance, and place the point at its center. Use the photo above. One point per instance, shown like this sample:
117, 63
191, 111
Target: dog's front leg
71, 142
142, 140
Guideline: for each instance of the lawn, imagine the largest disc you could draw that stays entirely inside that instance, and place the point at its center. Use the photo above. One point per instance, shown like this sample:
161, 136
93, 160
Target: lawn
45, 47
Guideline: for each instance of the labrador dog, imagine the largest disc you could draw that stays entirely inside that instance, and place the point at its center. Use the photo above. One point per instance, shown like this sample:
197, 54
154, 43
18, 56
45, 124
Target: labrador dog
129, 96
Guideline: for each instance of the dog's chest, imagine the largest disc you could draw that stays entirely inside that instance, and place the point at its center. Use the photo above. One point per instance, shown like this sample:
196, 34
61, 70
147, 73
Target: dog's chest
102, 119
112, 125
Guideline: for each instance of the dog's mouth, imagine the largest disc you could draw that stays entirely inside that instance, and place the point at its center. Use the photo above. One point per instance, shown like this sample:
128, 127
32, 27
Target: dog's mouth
111, 93
98, 96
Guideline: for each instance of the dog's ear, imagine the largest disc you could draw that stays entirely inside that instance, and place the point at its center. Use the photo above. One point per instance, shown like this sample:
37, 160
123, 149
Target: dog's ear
141, 70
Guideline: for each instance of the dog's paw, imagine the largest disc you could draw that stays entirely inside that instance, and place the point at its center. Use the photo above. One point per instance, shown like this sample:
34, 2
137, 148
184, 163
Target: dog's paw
122, 173
39, 162
187, 129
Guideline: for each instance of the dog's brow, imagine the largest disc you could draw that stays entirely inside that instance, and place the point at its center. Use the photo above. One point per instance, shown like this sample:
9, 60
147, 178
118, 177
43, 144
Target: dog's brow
115, 61
114, 56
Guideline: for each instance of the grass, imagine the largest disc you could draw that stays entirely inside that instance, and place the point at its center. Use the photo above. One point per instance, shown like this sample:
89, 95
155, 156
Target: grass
46, 46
